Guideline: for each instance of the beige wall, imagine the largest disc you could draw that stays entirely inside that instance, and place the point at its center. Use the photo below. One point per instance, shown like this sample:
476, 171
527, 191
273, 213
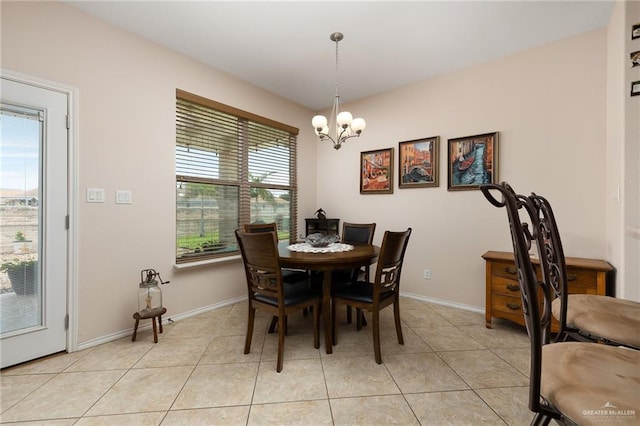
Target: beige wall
547, 103
631, 288
126, 140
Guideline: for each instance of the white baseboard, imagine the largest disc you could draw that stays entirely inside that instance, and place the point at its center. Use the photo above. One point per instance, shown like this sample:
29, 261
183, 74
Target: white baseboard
444, 302
128, 332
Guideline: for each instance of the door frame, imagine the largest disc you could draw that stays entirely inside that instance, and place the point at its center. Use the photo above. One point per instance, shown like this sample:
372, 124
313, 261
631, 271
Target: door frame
72, 193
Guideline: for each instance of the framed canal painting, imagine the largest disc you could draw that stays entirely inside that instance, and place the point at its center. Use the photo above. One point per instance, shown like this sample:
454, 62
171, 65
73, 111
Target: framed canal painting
472, 161
376, 171
418, 163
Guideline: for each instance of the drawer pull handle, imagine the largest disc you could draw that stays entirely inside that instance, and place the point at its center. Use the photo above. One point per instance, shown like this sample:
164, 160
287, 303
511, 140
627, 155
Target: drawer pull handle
572, 277
511, 270
513, 287
513, 306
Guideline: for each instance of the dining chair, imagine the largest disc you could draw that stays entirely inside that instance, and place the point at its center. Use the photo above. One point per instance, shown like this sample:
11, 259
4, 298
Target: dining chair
288, 275
581, 317
268, 291
355, 234
382, 292
571, 382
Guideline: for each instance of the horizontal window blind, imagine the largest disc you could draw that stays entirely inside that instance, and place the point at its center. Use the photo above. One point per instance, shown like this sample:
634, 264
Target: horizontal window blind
232, 167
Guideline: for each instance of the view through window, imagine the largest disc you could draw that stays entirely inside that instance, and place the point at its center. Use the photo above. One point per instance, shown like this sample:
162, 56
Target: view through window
232, 168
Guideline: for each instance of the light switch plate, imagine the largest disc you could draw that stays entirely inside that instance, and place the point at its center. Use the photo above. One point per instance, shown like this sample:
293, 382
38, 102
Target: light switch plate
95, 195
123, 196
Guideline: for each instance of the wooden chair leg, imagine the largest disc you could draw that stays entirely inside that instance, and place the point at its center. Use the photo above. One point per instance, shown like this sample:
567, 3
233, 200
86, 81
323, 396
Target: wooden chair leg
349, 315
316, 327
281, 331
376, 336
334, 331
135, 331
396, 315
247, 341
364, 318
155, 330
273, 325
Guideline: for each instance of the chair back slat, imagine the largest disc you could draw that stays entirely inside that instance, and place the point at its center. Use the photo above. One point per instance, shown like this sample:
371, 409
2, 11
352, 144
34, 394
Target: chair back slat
262, 265
394, 245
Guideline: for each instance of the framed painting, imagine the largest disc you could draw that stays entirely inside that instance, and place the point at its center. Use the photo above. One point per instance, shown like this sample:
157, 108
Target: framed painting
418, 163
376, 171
635, 31
472, 161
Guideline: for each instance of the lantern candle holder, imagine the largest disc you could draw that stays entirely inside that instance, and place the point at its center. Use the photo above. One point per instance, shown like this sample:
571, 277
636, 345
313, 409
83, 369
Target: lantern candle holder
149, 294
149, 301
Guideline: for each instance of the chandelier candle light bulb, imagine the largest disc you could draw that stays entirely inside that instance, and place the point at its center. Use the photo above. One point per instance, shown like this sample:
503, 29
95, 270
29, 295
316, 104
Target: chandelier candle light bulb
343, 123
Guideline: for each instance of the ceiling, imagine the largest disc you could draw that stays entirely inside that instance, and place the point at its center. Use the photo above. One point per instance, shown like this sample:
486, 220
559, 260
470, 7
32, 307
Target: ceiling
284, 47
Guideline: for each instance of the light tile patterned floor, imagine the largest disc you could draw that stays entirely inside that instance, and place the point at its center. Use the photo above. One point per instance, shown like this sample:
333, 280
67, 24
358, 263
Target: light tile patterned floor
450, 371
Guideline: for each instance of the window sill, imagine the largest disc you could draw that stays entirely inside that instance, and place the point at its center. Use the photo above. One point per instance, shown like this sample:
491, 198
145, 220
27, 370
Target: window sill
201, 263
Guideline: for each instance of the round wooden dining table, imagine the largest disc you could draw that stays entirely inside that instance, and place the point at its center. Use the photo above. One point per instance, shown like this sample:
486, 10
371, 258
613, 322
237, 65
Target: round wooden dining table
361, 255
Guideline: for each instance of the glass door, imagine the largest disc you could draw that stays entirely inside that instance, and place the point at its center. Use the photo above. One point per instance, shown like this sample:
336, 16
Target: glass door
33, 206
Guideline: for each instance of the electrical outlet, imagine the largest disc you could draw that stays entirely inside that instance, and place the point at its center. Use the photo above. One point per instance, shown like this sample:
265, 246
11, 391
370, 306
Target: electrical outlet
427, 274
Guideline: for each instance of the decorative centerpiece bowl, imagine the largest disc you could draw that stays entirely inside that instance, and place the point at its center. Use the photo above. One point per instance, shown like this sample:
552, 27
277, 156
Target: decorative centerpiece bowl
321, 240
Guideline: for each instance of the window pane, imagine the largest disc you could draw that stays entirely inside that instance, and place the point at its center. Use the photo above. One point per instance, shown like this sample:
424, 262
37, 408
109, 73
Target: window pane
232, 168
206, 218
272, 205
21, 142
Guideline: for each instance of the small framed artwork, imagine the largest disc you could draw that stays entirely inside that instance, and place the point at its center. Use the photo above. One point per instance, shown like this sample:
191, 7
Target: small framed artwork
635, 88
472, 161
634, 57
376, 171
635, 31
418, 163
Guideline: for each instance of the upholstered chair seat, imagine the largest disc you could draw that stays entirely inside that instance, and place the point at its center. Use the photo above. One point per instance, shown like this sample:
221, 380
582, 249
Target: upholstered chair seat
603, 318
569, 382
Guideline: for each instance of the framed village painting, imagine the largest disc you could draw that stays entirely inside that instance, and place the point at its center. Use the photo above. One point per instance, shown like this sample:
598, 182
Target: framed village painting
472, 161
418, 163
376, 171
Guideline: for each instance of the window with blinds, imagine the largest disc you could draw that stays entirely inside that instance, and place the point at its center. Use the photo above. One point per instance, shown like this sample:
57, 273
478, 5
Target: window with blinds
232, 168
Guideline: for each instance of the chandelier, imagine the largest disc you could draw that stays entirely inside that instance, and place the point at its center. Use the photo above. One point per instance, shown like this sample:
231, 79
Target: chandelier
342, 125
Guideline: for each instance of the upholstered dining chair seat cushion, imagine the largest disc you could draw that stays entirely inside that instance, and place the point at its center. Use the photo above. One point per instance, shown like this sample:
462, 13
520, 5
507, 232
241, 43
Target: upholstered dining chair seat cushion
581, 379
360, 291
293, 294
293, 275
603, 316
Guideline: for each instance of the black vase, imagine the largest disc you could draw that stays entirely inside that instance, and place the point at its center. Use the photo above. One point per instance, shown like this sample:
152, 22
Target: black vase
23, 279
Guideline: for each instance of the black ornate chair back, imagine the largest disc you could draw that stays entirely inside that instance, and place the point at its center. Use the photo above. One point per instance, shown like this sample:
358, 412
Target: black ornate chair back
537, 312
552, 260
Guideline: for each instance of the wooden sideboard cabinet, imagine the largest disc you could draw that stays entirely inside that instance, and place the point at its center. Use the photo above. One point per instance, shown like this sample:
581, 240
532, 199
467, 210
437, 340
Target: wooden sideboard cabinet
584, 276
323, 226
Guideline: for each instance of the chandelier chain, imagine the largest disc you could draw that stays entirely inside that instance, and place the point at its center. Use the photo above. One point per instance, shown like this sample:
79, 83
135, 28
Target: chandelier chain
337, 69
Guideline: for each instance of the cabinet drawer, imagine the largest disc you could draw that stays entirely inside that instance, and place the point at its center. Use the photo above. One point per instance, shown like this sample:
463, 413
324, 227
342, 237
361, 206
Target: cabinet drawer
505, 270
505, 286
582, 281
511, 305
